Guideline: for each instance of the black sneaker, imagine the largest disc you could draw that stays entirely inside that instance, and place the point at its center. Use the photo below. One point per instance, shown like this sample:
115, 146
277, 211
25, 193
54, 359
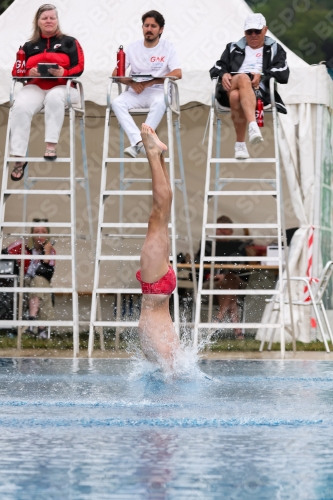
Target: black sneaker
29, 331
42, 333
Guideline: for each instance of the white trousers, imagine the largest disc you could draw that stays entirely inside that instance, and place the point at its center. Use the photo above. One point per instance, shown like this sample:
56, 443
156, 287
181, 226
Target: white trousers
152, 98
28, 102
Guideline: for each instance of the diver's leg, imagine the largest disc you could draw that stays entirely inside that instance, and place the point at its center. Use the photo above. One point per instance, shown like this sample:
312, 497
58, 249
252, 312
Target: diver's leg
155, 251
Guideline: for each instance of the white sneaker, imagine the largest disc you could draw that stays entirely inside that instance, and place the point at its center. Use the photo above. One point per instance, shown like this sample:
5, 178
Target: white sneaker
241, 152
134, 151
254, 133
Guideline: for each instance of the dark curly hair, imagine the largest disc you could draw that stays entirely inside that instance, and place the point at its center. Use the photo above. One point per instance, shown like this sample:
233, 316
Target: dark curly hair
156, 15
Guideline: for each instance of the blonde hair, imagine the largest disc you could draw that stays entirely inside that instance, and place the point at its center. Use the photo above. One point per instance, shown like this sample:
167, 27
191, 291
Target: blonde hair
40, 220
36, 30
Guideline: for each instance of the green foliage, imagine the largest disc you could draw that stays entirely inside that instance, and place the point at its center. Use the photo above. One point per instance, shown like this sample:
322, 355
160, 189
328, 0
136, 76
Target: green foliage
251, 345
304, 26
4, 4
64, 342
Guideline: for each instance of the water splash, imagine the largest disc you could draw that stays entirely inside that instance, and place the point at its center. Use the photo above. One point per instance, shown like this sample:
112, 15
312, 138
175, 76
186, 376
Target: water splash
185, 364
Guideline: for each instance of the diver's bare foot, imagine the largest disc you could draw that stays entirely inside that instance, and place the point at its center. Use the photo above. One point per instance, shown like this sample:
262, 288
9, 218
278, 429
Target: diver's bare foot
151, 141
159, 143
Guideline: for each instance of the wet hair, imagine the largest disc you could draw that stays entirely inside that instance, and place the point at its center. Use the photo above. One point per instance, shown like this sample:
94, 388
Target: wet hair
156, 15
224, 219
36, 30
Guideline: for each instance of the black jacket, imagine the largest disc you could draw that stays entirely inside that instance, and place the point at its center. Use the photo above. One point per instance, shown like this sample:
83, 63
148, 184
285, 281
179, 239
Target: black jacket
274, 65
224, 248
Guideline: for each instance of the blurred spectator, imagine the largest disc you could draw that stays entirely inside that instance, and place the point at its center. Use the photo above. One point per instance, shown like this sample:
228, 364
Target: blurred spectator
224, 278
37, 274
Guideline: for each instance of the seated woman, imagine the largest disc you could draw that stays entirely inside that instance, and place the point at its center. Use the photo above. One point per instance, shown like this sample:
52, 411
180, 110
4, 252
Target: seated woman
158, 337
47, 45
37, 274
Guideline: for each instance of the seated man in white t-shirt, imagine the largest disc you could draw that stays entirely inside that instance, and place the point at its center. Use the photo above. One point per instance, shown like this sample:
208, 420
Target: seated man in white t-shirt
245, 66
150, 56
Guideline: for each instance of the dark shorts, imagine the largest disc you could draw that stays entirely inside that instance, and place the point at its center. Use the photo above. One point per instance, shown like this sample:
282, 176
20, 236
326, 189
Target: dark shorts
222, 96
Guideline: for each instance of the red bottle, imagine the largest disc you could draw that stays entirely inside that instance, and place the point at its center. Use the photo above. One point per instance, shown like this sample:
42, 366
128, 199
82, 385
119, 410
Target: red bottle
121, 58
20, 62
260, 112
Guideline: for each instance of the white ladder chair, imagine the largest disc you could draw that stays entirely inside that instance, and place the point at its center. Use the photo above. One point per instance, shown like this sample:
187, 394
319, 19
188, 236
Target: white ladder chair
316, 292
219, 184
128, 230
72, 110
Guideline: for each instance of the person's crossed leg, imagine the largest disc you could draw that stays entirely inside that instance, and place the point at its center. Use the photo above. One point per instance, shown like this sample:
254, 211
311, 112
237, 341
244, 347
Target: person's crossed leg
243, 105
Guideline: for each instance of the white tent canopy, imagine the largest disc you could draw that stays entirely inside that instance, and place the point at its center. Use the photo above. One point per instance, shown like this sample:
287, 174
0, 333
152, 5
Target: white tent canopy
200, 32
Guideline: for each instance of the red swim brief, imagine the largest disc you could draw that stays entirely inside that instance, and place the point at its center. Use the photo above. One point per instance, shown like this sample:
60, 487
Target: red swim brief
164, 285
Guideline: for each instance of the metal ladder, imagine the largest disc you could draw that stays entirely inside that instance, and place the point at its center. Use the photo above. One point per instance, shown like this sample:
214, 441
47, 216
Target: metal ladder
274, 189
172, 112
70, 227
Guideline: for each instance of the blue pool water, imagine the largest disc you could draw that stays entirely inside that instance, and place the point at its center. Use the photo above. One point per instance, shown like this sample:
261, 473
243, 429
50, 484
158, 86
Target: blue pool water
108, 429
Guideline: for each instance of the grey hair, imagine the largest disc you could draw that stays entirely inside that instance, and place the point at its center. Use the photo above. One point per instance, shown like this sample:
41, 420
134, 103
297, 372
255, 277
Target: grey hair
36, 30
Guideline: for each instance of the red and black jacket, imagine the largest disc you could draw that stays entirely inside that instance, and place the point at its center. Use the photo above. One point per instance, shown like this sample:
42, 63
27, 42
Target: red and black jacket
63, 50
44, 269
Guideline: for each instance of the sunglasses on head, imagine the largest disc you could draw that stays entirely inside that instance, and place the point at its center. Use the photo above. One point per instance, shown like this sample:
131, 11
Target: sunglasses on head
250, 32
47, 6
40, 220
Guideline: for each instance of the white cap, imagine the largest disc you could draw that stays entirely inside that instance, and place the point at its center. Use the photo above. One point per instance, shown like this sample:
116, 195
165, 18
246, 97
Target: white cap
254, 21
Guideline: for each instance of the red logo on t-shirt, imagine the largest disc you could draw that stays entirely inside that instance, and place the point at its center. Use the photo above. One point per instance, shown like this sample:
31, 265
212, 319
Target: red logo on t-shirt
258, 54
157, 58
